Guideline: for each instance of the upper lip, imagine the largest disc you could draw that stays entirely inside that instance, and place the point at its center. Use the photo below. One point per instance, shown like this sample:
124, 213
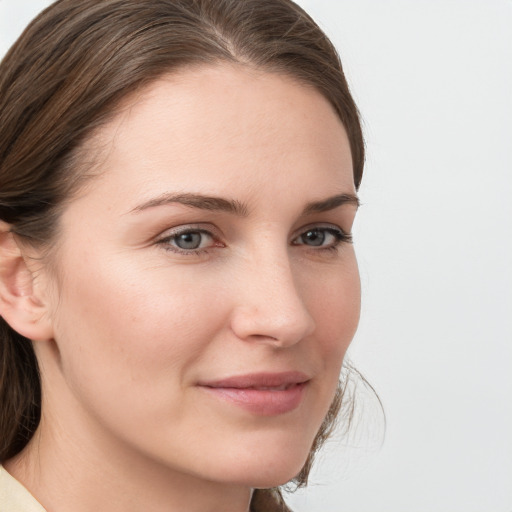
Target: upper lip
259, 380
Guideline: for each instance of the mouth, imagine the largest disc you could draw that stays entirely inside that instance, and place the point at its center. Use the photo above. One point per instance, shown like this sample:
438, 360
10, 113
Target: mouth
263, 394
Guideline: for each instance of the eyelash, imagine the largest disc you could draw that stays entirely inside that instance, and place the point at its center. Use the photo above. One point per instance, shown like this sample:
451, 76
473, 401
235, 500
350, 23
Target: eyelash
339, 235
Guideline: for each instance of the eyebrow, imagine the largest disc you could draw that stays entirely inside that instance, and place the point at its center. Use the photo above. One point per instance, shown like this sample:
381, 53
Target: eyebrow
212, 203
331, 203
202, 202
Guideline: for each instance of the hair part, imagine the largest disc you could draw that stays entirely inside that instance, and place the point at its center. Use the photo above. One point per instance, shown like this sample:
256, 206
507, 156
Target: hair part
65, 78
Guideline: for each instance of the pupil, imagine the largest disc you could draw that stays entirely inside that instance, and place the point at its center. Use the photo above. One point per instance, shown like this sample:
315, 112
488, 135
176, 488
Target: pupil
189, 241
315, 237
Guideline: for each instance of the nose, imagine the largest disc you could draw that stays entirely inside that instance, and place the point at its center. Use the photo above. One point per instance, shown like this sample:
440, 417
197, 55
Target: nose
270, 308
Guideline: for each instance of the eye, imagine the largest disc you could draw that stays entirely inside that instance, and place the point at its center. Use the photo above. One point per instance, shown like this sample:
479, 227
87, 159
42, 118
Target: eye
314, 237
322, 237
188, 241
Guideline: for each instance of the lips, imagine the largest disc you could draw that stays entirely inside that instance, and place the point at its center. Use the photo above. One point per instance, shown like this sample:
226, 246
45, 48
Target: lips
265, 394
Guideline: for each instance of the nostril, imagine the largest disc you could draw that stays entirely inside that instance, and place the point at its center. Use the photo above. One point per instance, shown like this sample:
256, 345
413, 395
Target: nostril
262, 336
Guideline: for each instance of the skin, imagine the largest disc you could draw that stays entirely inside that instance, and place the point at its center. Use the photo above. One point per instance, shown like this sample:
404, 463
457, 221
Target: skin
129, 326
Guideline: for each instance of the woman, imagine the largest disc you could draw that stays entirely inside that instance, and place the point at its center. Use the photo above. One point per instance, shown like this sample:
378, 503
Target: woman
178, 286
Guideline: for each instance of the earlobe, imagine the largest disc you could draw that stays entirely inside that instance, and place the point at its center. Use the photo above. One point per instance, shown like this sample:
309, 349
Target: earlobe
20, 306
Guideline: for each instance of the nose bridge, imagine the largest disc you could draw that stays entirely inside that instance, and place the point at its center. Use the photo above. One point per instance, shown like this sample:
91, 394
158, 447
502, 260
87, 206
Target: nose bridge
271, 306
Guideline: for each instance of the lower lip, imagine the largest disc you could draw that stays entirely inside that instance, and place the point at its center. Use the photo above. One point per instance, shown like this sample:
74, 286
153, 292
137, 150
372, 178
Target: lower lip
262, 402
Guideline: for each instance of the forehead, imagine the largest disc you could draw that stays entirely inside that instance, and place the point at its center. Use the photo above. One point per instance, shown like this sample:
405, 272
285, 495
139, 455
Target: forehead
217, 126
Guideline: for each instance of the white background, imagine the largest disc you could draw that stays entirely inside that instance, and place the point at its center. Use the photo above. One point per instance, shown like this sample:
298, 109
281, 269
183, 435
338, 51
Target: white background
433, 80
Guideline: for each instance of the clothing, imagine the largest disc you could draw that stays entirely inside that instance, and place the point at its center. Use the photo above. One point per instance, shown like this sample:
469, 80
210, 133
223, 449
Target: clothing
14, 497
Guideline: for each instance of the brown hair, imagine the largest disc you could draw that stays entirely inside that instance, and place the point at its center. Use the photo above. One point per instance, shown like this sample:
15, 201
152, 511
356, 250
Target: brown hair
63, 79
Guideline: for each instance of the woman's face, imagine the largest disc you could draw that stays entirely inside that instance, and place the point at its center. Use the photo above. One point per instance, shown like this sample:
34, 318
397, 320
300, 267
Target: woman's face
206, 288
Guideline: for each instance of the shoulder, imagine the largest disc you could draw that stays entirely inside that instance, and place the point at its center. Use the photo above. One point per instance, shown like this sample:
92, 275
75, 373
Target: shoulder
14, 497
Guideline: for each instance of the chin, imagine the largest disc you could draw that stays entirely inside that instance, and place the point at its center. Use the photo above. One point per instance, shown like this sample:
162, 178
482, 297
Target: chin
266, 468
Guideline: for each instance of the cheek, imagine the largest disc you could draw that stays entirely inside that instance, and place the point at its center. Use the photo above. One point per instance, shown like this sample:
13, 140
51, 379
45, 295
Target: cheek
122, 325
334, 301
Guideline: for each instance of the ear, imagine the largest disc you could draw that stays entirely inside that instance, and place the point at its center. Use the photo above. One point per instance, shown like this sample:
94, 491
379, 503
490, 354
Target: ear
20, 306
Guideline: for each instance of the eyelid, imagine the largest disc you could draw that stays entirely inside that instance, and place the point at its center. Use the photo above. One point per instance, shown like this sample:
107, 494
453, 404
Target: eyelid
199, 227
322, 226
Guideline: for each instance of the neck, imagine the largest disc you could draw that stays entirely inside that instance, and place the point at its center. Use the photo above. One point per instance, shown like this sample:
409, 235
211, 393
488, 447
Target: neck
65, 472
